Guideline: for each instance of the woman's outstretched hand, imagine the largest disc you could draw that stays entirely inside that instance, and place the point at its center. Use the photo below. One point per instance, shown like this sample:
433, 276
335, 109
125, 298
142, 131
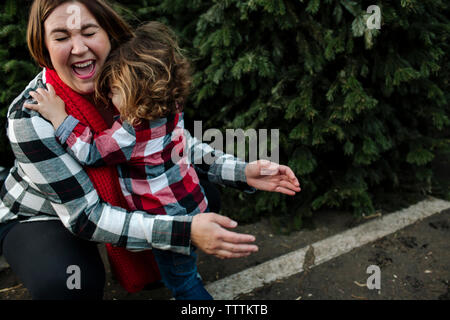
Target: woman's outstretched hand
208, 233
269, 176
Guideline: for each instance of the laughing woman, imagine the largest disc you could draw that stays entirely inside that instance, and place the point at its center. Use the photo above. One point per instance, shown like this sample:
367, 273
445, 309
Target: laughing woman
53, 211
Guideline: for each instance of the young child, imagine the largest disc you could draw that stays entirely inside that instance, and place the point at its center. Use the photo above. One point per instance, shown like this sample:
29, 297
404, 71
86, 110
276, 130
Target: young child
147, 79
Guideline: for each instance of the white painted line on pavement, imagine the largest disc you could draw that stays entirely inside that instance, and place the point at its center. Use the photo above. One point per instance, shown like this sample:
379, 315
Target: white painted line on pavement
289, 264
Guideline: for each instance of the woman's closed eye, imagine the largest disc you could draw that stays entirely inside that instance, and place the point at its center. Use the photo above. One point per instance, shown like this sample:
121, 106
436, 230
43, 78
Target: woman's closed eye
60, 39
65, 38
89, 31
62, 36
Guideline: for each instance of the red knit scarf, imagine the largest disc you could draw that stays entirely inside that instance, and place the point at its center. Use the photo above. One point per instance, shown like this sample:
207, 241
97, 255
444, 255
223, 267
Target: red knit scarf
133, 270
105, 178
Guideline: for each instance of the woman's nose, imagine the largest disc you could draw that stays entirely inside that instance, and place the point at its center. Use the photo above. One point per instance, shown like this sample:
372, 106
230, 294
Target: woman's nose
78, 46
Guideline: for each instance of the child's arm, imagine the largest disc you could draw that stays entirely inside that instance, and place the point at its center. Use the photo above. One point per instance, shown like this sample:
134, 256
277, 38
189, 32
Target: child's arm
226, 169
111, 147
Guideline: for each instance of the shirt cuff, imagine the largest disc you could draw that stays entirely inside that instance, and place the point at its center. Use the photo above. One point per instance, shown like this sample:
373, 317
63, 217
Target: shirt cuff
65, 129
173, 234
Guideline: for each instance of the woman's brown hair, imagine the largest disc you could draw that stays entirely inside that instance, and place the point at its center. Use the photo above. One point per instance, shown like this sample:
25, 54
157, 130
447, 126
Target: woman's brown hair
117, 29
150, 72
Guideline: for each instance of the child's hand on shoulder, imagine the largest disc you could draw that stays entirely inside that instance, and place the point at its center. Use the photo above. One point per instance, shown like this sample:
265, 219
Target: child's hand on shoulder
270, 176
49, 105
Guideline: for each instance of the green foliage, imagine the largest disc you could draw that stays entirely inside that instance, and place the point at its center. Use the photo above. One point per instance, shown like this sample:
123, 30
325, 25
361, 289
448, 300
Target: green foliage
16, 65
359, 111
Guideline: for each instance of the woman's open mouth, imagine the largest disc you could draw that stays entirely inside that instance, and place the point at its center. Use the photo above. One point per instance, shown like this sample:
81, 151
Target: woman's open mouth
84, 70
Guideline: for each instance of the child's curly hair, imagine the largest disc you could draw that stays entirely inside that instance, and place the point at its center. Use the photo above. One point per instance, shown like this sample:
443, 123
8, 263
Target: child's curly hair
150, 72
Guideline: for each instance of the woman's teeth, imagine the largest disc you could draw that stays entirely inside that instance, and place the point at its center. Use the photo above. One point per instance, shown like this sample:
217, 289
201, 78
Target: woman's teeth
83, 65
84, 69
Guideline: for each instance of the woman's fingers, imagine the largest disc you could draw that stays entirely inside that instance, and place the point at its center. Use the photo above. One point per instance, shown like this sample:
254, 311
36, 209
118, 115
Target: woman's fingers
229, 250
222, 220
208, 233
233, 241
239, 248
234, 245
230, 236
237, 242
234, 237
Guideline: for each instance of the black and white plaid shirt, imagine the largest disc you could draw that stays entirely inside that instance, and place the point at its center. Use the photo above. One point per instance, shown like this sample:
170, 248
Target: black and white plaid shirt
46, 183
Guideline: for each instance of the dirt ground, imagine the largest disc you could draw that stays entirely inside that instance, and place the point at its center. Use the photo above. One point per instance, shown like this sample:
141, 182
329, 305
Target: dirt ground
414, 262
270, 245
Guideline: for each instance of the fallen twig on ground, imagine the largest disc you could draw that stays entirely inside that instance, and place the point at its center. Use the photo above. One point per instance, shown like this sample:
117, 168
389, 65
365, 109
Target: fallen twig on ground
9, 289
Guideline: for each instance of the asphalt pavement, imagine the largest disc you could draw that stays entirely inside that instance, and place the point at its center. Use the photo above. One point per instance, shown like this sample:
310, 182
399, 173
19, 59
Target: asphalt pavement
413, 262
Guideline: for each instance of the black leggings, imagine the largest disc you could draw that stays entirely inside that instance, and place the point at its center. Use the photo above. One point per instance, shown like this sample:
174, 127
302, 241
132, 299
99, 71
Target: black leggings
40, 254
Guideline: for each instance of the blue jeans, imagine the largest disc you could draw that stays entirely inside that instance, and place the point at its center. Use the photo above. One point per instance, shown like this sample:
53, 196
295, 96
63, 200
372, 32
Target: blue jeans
179, 274
178, 271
